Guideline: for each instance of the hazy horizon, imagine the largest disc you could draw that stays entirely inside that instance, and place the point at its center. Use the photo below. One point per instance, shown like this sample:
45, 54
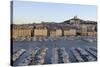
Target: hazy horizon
27, 12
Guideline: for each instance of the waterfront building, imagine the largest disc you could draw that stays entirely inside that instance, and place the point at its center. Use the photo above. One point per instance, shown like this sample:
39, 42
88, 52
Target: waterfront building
69, 31
55, 32
83, 30
92, 33
71, 27
58, 32
21, 32
40, 31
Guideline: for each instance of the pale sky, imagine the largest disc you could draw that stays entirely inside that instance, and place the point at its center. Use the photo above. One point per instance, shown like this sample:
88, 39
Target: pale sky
30, 12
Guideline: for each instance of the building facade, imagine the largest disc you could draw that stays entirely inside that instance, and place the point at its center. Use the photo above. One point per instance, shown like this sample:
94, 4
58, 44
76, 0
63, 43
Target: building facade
69, 32
40, 31
21, 32
55, 32
72, 27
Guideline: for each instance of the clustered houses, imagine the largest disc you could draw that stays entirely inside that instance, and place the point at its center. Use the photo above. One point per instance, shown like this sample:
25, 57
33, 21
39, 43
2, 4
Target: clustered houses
21, 31
88, 29
55, 32
40, 31
71, 27
69, 31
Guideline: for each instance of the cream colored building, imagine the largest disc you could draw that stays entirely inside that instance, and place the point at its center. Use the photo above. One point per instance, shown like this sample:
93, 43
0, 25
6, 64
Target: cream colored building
52, 33
69, 32
58, 32
40, 32
92, 33
83, 30
21, 32
55, 32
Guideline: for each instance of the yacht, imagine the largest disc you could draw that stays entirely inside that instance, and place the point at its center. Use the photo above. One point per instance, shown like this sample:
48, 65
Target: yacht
76, 55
